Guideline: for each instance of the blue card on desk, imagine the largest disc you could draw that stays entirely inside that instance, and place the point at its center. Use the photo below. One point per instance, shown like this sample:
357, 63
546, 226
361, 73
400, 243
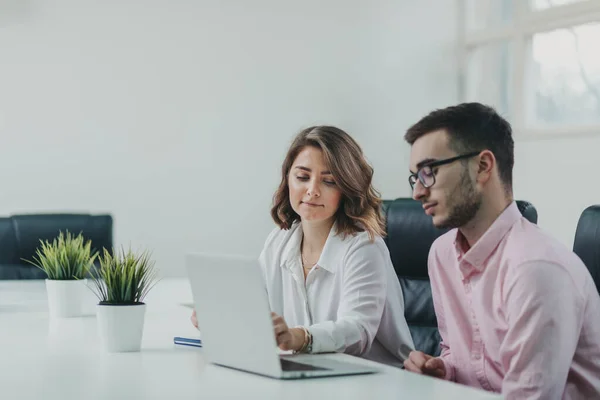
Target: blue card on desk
187, 341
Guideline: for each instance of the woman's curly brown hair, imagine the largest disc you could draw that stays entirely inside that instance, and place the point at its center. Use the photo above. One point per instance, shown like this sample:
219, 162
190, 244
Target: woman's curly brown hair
360, 205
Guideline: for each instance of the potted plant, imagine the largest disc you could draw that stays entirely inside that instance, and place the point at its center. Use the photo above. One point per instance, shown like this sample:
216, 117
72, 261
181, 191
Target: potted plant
121, 284
67, 262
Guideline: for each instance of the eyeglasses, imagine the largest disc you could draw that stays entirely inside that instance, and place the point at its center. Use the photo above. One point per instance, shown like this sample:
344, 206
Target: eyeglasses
425, 174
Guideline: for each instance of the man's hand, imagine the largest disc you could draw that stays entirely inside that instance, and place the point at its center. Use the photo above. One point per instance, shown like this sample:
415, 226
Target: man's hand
425, 364
287, 339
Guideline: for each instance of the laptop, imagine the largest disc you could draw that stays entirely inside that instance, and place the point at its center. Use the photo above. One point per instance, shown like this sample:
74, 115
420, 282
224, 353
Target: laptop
233, 314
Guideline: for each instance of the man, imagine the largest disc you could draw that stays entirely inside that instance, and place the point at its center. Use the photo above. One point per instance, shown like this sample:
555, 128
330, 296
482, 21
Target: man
517, 311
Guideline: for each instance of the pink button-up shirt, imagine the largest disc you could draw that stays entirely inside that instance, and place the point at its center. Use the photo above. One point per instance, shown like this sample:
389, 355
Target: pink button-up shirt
518, 312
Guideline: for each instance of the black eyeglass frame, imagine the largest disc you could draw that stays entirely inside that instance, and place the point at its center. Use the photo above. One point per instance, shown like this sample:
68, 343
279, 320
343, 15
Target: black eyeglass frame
412, 178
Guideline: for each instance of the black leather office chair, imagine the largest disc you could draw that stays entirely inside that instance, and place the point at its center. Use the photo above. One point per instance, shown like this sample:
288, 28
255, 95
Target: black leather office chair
587, 241
20, 237
410, 234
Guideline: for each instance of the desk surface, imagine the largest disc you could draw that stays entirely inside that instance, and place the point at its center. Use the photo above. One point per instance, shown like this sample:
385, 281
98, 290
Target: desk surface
62, 359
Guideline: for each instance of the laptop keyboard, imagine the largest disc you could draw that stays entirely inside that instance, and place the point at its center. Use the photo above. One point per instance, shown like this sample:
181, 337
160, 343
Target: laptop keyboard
287, 365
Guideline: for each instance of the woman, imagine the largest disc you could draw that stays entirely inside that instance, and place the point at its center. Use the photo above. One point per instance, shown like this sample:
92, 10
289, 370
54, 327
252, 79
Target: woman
329, 277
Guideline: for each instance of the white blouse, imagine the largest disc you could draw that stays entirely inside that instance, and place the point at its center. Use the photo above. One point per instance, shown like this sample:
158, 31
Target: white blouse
351, 301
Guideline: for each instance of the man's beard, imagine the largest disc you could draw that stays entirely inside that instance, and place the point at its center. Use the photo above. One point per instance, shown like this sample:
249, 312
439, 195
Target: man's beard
464, 201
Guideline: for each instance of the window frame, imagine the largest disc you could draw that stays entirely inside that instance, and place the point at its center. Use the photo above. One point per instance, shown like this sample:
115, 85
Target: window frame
525, 23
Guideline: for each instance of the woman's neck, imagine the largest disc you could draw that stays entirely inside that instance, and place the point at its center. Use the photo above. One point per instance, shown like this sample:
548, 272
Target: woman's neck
315, 235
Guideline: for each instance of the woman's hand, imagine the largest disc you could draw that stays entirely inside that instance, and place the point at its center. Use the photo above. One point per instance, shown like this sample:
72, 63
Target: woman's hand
287, 339
193, 319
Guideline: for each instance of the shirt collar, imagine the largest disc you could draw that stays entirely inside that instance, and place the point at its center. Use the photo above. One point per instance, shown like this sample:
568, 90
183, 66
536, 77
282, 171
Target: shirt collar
473, 260
330, 256
291, 250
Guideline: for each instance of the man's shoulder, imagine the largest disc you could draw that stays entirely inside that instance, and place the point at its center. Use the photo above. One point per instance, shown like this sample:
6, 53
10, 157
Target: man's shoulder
526, 243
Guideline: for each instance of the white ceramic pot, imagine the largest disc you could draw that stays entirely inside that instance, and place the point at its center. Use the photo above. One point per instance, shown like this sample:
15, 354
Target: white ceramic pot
121, 326
66, 298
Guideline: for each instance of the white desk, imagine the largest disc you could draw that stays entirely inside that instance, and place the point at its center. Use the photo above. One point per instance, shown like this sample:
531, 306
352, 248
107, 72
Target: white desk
63, 360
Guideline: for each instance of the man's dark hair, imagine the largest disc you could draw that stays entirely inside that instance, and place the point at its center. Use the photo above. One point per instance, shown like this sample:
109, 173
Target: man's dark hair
472, 127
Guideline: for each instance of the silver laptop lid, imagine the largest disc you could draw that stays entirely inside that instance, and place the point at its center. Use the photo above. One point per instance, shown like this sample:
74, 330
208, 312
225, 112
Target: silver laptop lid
233, 312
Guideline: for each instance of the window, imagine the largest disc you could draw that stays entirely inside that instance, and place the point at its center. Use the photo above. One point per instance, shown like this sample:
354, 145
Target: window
536, 61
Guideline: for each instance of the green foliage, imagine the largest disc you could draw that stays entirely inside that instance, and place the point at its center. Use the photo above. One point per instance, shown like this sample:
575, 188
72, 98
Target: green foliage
68, 257
123, 278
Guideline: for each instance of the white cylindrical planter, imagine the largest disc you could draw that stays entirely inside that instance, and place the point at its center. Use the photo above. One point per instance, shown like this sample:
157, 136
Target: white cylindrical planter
66, 298
121, 326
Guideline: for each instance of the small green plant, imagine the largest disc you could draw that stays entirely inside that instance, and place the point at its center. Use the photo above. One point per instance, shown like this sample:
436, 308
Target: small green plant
123, 278
68, 257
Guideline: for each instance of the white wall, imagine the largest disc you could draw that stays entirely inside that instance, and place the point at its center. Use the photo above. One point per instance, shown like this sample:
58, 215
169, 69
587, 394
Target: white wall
411, 68
174, 116
559, 176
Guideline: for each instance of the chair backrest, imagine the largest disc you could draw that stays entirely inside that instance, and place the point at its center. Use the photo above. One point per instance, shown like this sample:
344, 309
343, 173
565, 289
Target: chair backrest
20, 236
587, 241
410, 234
